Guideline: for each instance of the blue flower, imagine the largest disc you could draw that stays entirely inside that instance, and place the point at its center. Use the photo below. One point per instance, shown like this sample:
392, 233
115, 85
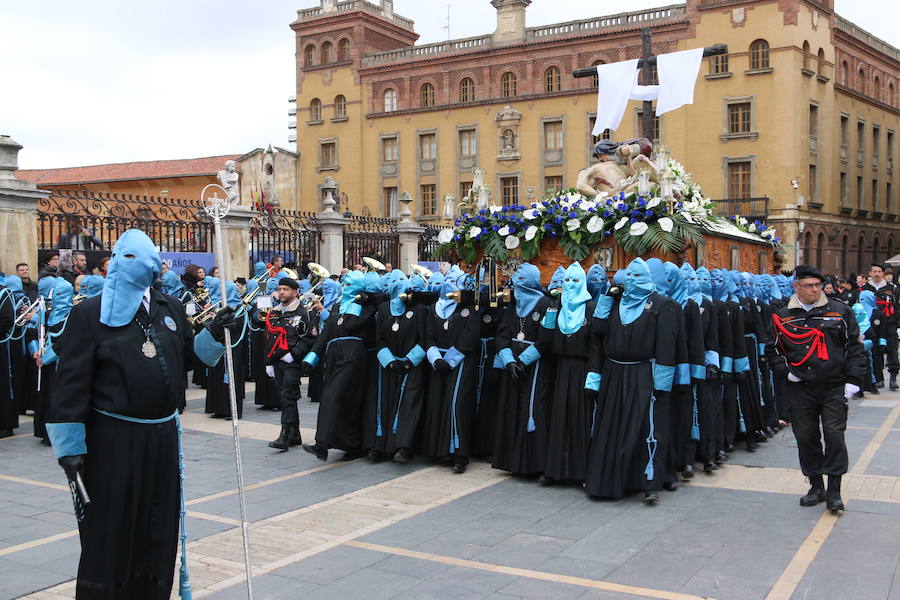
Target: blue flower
606, 214
635, 213
456, 238
547, 227
483, 211
573, 214
648, 214
632, 220
558, 220
512, 230
495, 227
607, 233
553, 234
621, 207
733, 218
621, 195
609, 201
545, 203
678, 206
642, 203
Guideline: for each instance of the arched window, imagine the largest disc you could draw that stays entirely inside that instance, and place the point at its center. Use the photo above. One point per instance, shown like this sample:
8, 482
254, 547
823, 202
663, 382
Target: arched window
807, 56
807, 247
845, 73
759, 55
390, 100
426, 95
466, 90
325, 52
508, 84
820, 63
595, 81
343, 50
860, 83
315, 110
845, 259
891, 98
890, 248
309, 56
551, 79
876, 88
860, 254
820, 250
340, 107
876, 249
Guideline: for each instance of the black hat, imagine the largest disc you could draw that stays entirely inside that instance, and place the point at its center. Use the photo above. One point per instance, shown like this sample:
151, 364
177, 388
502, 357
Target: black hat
878, 264
291, 283
806, 272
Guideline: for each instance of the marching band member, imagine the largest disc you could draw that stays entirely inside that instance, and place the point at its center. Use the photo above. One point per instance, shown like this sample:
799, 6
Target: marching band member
886, 294
218, 402
288, 340
9, 413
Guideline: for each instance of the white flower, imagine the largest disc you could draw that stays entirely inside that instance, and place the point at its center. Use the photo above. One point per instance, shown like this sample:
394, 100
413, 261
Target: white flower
741, 221
638, 228
654, 202
768, 233
530, 232
445, 236
512, 241
530, 214
587, 205
494, 208
573, 224
666, 224
594, 224
503, 231
474, 232
621, 223
752, 228
601, 196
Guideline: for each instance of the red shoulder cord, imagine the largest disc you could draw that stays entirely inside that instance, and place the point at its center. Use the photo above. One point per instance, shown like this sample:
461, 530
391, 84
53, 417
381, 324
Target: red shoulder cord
886, 305
281, 341
801, 335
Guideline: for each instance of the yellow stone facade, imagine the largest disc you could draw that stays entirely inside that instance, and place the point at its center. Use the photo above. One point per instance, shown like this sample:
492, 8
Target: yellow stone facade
749, 133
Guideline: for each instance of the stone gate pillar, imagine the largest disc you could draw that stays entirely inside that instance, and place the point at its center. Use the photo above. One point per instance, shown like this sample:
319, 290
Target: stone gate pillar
18, 214
235, 228
331, 243
409, 234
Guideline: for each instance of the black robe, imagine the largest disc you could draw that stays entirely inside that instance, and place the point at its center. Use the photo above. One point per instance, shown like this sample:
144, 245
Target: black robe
129, 536
488, 382
218, 401
399, 396
709, 394
449, 417
629, 445
523, 404
9, 413
571, 406
691, 374
341, 349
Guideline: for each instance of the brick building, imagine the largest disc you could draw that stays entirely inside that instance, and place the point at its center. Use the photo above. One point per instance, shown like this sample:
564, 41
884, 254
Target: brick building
797, 124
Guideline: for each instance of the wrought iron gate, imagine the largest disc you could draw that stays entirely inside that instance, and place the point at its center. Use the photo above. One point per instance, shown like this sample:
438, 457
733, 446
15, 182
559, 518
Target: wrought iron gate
290, 234
371, 236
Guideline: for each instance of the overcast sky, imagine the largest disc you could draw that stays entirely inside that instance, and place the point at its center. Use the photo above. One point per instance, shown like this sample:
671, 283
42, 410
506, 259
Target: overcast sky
112, 81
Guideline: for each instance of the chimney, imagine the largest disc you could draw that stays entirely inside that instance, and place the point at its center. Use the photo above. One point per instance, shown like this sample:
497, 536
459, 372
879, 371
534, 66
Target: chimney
387, 7
510, 20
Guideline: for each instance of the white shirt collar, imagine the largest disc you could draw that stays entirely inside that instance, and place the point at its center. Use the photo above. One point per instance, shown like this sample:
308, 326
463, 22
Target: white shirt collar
146, 300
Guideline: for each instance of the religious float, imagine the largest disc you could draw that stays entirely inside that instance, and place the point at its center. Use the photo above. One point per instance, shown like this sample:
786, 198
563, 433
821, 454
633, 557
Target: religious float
634, 202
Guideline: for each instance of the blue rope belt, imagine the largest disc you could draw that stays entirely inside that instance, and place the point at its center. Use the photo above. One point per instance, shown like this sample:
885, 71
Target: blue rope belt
339, 339
184, 584
482, 360
454, 427
399, 404
695, 425
531, 426
762, 402
652, 442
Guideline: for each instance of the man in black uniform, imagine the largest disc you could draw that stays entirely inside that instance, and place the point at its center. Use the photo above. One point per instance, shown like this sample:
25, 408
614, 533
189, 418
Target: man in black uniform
816, 348
288, 339
886, 294
113, 420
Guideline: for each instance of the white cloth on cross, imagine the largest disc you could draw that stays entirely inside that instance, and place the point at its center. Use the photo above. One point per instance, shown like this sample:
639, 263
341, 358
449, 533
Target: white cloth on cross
617, 84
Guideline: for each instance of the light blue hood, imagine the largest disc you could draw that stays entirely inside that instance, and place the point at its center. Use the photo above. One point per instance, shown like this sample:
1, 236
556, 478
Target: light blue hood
134, 266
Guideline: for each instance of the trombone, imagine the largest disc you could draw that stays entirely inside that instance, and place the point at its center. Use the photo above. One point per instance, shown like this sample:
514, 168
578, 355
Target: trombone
309, 297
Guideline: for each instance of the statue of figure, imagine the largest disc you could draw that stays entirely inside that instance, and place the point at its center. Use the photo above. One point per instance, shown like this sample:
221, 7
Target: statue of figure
228, 179
509, 140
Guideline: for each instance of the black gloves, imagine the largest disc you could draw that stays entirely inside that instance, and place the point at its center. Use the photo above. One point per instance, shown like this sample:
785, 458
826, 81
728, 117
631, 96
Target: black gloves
515, 369
466, 298
555, 301
306, 369
362, 298
224, 318
72, 465
615, 290
712, 373
442, 366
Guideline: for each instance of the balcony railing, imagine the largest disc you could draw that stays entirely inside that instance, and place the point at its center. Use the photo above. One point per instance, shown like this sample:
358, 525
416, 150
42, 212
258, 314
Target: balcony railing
349, 5
750, 208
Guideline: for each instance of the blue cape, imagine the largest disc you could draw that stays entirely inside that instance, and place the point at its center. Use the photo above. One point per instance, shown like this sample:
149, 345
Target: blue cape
374, 284
638, 287
677, 287
133, 268
574, 298
527, 288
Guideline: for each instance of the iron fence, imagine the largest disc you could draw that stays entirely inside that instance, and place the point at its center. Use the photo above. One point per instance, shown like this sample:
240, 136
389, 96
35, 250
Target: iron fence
428, 245
373, 237
293, 235
94, 221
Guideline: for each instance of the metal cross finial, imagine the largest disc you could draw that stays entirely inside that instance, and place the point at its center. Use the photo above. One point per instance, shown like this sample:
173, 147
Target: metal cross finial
218, 207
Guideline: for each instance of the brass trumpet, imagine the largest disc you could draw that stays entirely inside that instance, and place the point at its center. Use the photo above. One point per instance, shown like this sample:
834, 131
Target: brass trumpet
423, 272
374, 265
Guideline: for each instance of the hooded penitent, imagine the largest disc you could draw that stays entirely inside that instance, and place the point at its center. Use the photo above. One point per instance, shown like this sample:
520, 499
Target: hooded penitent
92, 285
354, 282
258, 269
135, 264
862, 319
703, 277
215, 290
597, 281
171, 283
658, 275
557, 279
398, 285
271, 285
867, 299
677, 287
374, 284
772, 289
784, 284
638, 287
331, 293
444, 307
435, 282
527, 288
63, 293
575, 296
692, 283
232, 295
416, 283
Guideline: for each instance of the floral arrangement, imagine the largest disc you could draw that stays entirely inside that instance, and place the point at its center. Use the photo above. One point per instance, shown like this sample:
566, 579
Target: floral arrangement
638, 222
755, 228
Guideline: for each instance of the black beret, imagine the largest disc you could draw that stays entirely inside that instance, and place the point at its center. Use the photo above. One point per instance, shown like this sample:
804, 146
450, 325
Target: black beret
879, 265
291, 283
807, 272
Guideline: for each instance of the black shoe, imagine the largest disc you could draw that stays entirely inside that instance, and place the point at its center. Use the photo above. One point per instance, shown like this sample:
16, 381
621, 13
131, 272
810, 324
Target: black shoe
375, 457
874, 392
879, 385
321, 454
353, 455
760, 436
670, 486
688, 471
402, 456
893, 384
45, 441
816, 493
651, 497
721, 457
5, 433
544, 480
282, 442
458, 468
709, 466
833, 502
859, 395
294, 438
729, 447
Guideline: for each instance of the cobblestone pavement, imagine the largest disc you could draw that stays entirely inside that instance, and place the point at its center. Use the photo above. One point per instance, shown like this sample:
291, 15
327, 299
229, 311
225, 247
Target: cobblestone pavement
349, 530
